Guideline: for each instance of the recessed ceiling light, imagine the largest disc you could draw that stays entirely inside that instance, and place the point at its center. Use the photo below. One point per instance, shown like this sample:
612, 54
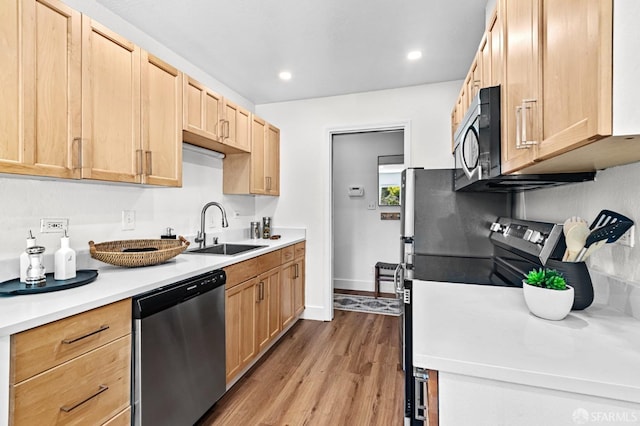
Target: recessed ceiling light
285, 75
414, 55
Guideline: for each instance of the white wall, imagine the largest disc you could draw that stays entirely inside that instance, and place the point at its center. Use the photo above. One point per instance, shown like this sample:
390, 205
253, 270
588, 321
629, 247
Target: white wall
305, 157
360, 238
614, 189
94, 209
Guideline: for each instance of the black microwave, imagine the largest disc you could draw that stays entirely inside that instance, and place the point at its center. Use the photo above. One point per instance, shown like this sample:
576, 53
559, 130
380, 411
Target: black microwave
477, 152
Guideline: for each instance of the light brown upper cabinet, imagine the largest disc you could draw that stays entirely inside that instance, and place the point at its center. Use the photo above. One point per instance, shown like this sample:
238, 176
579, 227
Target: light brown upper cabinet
520, 94
161, 122
258, 172
558, 73
212, 122
202, 113
111, 127
40, 102
236, 126
272, 160
72, 106
131, 112
558, 80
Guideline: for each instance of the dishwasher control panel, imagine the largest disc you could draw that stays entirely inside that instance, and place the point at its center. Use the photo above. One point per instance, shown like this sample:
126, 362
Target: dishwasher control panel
161, 298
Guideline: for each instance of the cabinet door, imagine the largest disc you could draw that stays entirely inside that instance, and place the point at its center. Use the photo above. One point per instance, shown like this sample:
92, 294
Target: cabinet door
161, 122
576, 59
258, 147
240, 320
268, 307
521, 84
111, 129
484, 58
272, 160
40, 104
495, 42
475, 78
298, 286
202, 110
88, 390
287, 281
11, 138
237, 126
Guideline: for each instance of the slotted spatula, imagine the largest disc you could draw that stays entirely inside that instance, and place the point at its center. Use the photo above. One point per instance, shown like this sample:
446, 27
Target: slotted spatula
607, 217
612, 226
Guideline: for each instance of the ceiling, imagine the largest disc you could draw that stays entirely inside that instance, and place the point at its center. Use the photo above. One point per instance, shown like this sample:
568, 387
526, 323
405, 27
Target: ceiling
331, 47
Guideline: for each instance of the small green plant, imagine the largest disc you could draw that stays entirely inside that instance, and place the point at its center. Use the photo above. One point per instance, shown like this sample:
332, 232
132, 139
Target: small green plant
546, 278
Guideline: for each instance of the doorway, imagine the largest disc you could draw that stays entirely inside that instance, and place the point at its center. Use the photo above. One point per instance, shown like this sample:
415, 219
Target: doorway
365, 212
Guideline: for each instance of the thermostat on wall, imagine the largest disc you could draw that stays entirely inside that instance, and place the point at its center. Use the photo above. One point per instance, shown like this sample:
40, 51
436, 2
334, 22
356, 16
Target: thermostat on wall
356, 191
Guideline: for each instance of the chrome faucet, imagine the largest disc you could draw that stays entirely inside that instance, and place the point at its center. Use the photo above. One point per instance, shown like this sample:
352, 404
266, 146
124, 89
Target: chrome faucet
201, 238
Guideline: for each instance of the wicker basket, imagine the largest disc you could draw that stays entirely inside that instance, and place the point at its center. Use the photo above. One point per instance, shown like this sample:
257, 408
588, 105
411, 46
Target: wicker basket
158, 251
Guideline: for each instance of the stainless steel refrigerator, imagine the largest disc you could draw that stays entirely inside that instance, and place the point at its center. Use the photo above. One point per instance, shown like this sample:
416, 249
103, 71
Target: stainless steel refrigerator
444, 237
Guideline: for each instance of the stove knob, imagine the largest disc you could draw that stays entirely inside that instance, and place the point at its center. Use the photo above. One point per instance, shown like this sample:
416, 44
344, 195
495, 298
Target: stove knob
495, 227
535, 237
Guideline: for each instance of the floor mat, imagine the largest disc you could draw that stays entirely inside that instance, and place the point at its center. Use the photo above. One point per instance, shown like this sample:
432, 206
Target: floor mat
349, 302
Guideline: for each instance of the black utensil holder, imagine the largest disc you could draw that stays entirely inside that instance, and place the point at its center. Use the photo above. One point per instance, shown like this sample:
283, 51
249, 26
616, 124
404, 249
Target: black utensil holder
577, 276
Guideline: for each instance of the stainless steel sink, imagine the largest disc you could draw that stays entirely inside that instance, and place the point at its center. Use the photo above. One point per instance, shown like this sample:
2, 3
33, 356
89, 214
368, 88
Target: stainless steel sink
225, 249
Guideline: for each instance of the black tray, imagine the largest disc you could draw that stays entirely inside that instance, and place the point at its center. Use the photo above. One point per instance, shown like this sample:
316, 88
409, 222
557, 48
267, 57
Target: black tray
15, 287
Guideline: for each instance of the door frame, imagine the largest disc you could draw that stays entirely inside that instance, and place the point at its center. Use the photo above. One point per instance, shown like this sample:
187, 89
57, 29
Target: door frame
405, 126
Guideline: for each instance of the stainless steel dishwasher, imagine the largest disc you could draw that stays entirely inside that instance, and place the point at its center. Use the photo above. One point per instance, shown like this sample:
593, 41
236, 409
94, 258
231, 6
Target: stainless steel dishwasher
179, 351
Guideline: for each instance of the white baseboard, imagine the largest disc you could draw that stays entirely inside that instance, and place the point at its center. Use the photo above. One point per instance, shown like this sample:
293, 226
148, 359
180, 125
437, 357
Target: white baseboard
316, 313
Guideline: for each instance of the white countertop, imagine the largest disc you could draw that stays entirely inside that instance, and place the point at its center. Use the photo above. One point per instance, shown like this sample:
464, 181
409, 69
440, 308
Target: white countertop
18, 313
488, 332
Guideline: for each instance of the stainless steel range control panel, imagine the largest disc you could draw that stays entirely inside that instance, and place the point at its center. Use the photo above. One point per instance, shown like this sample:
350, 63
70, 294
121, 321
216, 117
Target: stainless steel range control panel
530, 238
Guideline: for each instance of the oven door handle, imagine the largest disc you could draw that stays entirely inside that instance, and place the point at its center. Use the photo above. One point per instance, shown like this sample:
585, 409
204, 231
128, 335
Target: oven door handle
509, 266
397, 282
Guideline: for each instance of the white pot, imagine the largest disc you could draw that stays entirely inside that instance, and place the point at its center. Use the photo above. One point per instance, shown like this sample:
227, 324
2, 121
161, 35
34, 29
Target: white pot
547, 303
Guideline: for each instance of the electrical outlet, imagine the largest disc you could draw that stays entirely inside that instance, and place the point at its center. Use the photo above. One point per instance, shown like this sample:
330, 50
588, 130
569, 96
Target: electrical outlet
371, 205
50, 226
628, 238
128, 220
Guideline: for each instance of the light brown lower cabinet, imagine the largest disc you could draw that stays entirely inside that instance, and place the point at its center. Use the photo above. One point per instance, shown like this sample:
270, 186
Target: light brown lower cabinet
263, 297
299, 278
122, 419
268, 307
287, 314
240, 320
73, 371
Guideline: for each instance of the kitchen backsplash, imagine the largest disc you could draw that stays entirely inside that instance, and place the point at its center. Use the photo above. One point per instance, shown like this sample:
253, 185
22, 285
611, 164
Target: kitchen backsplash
613, 189
94, 209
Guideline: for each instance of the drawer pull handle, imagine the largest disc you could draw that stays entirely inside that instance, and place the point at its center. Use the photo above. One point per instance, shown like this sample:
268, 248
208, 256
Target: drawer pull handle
100, 330
68, 409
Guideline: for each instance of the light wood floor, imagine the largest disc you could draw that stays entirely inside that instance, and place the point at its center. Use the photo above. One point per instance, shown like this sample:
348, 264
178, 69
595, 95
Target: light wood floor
343, 372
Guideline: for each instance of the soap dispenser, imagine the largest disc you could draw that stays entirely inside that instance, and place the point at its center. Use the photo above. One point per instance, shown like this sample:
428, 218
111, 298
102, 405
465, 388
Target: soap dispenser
24, 258
65, 260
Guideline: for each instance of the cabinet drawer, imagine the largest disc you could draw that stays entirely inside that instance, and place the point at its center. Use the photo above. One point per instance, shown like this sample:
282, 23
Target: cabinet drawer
299, 249
240, 272
287, 254
36, 350
122, 419
269, 261
90, 389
